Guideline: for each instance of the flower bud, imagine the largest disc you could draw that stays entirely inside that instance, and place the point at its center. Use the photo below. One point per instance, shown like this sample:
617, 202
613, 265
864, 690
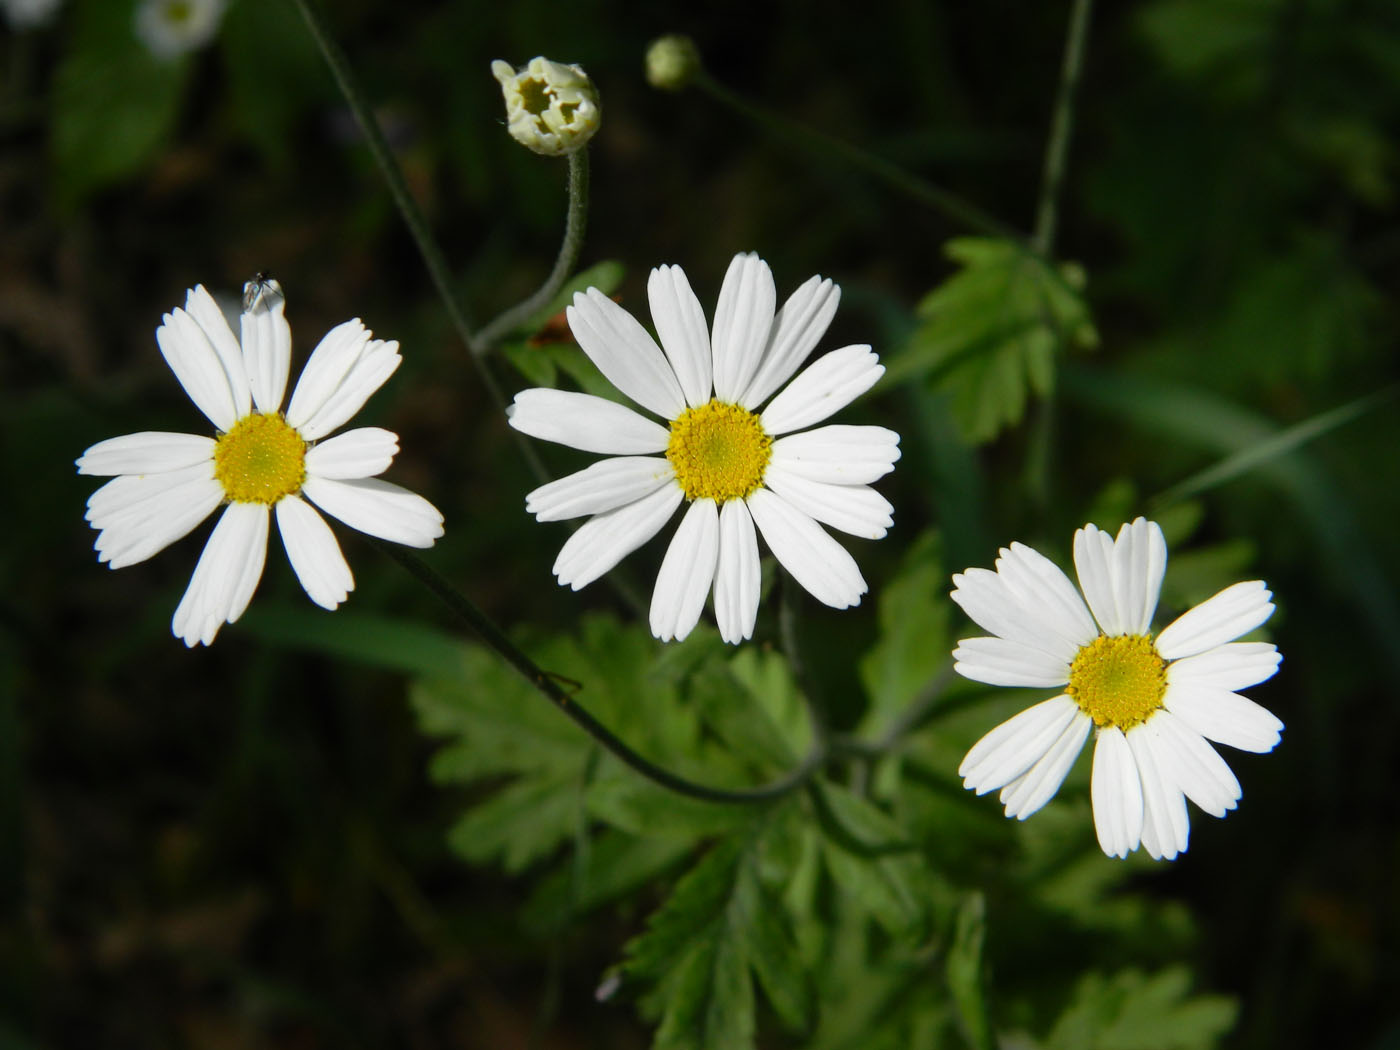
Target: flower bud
672, 61
551, 108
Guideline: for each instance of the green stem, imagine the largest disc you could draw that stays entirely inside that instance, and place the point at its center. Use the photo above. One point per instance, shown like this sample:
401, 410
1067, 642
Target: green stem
564, 265
496, 639
1057, 148
950, 204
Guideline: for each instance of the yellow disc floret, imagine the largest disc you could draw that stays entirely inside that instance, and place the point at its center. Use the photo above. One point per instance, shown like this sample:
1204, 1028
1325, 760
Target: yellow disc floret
260, 460
719, 451
1118, 681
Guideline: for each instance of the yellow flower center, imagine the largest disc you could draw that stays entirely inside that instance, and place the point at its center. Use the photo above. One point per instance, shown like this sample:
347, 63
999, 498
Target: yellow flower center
1118, 681
260, 460
719, 451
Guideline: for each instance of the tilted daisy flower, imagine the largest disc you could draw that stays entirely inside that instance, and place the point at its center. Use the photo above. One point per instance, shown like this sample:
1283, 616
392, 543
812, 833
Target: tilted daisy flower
1152, 703
261, 461
737, 467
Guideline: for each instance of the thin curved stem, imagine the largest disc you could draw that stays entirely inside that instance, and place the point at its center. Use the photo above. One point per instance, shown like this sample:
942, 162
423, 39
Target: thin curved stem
542, 681
569, 250
1057, 148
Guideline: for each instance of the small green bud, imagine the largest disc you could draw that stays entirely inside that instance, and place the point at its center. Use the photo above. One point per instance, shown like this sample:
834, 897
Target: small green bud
672, 62
551, 108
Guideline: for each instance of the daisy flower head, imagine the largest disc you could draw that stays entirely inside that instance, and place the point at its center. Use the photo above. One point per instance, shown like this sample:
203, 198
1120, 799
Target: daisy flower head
738, 467
1152, 703
261, 462
170, 28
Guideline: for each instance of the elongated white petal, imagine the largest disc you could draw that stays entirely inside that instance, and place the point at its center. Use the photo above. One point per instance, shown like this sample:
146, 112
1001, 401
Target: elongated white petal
314, 553
856, 509
205, 312
630, 359
267, 351
1139, 561
191, 357
359, 453
680, 324
1235, 665
335, 355
838, 454
603, 541
1037, 785
743, 321
686, 573
994, 607
583, 421
998, 661
1165, 824
378, 360
797, 328
1038, 584
378, 508
827, 385
1223, 716
814, 559
738, 575
226, 576
149, 452
1017, 744
1093, 561
604, 486
141, 514
1234, 611
1203, 774
1116, 792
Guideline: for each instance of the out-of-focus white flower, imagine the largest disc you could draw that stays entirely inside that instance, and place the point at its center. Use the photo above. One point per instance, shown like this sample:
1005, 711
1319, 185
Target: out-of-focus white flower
672, 61
27, 14
551, 108
170, 28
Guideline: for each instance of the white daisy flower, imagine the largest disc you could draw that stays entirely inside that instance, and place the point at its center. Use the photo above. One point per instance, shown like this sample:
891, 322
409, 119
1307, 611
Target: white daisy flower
27, 14
260, 461
170, 28
1153, 703
551, 108
730, 462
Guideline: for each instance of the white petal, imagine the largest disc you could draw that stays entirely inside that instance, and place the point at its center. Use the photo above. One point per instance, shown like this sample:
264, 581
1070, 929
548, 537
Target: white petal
314, 553
378, 508
359, 453
993, 606
267, 350
345, 369
630, 359
192, 358
827, 385
813, 558
141, 514
1165, 825
1037, 786
583, 421
1116, 792
1205, 778
1017, 744
1093, 561
1235, 665
997, 661
1038, 584
1223, 716
743, 321
149, 452
839, 454
1234, 611
1139, 560
200, 305
856, 509
738, 575
226, 576
603, 541
686, 573
604, 486
680, 323
798, 326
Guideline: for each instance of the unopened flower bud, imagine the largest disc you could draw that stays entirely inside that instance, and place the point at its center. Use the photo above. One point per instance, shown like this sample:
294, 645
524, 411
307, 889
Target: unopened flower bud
672, 62
551, 108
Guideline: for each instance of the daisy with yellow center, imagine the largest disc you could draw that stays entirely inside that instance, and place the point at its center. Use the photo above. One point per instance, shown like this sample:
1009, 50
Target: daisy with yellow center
1153, 703
260, 463
743, 471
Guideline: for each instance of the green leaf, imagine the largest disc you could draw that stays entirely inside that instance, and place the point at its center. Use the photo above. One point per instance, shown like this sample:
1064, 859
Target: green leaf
857, 847
114, 103
964, 971
990, 333
632, 804
524, 821
1131, 1011
395, 645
